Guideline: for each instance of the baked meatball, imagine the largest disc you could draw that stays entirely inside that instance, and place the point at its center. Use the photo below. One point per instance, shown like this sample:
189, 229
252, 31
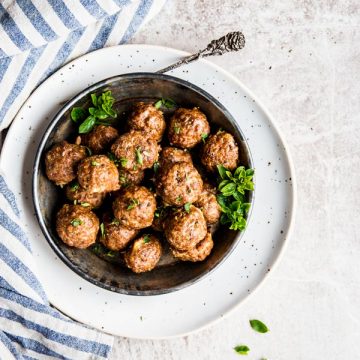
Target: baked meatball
74, 192
100, 138
98, 173
131, 177
198, 253
144, 254
179, 183
148, 119
116, 236
208, 204
172, 155
187, 127
185, 229
77, 226
61, 162
134, 207
135, 151
220, 149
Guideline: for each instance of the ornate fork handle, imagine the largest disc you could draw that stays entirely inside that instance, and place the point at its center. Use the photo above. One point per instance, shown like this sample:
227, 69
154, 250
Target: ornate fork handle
233, 41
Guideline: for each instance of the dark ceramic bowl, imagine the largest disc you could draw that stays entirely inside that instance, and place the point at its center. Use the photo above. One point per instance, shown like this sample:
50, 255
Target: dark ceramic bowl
170, 274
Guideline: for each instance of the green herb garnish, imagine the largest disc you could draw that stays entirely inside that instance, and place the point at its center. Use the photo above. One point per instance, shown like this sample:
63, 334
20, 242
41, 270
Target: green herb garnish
156, 166
75, 186
231, 199
259, 326
179, 198
177, 129
76, 222
95, 163
168, 103
123, 179
133, 203
123, 162
78, 114
95, 115
146, 238
110, 253
139, 157
204, 137
102, 230
115, 222
85, 204
187, 207
242, 349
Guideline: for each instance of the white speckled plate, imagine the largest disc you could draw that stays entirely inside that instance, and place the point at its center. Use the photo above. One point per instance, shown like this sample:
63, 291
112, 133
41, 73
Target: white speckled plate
196, 306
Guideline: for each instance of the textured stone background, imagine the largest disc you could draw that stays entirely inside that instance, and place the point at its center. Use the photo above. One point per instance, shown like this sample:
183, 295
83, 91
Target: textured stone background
302, 59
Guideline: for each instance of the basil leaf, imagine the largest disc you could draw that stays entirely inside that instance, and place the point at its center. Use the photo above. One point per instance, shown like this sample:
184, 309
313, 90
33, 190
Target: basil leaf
123, 162
242, 349
87, 125
133, 203
102, 230
204, 137
139, 157
228, 189
94, 99
187, 207
258, 326
76, 222
222, 171
146, 238
158, 104
78, 114
168, 103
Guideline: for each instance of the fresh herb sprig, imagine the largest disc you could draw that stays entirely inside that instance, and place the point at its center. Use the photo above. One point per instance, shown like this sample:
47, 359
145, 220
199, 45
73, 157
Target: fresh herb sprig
232, 188
95, 115
167, 103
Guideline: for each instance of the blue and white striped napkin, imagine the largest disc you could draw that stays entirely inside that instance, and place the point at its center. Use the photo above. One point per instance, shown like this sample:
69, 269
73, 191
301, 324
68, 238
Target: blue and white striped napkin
37, 37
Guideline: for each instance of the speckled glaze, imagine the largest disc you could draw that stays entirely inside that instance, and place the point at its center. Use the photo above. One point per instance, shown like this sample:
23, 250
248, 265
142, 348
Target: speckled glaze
207, 300
170, 274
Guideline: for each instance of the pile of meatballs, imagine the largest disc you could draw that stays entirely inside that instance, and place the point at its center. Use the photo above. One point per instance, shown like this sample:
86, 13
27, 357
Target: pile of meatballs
134, 190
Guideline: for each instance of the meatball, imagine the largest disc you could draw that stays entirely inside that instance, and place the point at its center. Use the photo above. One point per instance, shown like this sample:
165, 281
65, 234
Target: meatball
62, 160
98, 173
135, 151
100, 138
74, 192
115, 236
131, 177
185, 229
179, 184
134, 207
172, 155
199, 253
148, 119
208, 204
187, 128
220, 149
77, 226
144, 254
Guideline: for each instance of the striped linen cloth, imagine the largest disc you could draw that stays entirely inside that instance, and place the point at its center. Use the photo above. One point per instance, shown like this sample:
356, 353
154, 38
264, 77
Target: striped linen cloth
37, 37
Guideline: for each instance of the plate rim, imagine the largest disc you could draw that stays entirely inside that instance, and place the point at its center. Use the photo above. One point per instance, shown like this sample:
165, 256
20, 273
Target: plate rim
287, 234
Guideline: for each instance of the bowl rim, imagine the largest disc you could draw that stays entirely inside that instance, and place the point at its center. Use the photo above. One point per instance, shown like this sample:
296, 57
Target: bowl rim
37, 163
